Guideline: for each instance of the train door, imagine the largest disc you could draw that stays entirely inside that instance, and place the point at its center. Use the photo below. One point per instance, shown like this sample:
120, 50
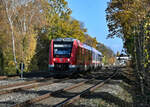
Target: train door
93, 60
89, 59
78, 60
79, 56
83, 58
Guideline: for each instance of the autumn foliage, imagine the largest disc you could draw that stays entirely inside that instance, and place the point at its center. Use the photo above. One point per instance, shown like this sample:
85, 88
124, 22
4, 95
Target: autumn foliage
26, 28
130, 20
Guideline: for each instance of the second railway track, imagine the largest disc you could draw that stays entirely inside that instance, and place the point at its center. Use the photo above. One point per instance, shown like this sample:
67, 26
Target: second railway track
26, 85
64, 96
23, 93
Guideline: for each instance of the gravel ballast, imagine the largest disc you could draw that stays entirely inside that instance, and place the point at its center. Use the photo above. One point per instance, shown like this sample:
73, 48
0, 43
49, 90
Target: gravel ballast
21, 96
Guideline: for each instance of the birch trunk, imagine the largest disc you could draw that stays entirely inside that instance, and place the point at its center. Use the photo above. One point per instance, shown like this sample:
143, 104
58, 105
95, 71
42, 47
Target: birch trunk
10, 21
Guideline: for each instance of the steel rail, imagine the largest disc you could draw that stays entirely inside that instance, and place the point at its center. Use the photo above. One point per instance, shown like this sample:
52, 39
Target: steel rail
6, 77
16, 84
78, 96
42, 97
27, 87
22, 83
22, 88
3, 77
65, 102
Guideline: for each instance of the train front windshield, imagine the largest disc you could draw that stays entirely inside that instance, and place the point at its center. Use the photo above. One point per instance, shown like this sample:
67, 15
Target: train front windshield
62, 49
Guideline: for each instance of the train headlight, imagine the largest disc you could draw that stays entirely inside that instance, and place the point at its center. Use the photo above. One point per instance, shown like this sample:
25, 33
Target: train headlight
54, 59
68, 60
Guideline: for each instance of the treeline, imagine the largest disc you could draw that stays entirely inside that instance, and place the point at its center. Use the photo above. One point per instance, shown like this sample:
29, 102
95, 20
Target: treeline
109, 57
130, 20
26, 28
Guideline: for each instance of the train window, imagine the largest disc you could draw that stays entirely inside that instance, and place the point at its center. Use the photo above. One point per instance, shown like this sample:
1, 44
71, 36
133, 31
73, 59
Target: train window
98, 58
62, 49
93, 56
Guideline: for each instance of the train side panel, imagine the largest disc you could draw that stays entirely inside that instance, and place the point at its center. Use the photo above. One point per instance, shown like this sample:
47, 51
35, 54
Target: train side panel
51, 63
72, 56
73, 60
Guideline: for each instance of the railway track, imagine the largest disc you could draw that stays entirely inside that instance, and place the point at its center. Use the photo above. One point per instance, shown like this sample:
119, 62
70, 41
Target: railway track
27, 85
6, 77
86, 91
60, 98
8, 98
17, 84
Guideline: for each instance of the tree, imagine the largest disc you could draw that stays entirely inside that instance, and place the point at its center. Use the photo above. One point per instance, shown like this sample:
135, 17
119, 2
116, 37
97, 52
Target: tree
29, 19
24, 18
125, 20
118, 53
10, 9
107, 53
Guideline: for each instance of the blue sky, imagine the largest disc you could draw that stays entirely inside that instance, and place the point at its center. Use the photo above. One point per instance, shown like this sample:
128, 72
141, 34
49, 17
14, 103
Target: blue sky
92, 14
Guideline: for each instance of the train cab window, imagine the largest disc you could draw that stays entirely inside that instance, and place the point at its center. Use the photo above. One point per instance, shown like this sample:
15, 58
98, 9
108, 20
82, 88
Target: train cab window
98, 57
62, 49
93, 56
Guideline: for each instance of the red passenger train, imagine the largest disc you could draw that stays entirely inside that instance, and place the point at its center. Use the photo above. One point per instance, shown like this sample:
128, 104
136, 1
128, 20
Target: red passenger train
69, 55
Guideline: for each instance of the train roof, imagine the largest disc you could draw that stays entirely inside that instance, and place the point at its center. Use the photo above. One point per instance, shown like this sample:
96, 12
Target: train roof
91, 49
64, 39
81, 44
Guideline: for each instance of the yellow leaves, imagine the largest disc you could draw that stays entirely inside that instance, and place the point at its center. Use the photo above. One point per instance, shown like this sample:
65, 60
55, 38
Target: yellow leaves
145, 51
11, 63
147, 56
147, 39
145, 65
112, 60
146, 25
30, 50
66, 28
147, 32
